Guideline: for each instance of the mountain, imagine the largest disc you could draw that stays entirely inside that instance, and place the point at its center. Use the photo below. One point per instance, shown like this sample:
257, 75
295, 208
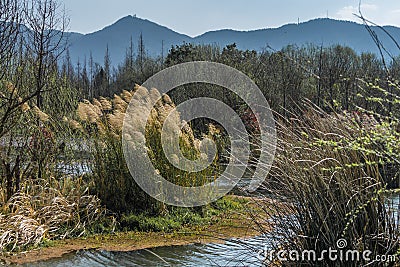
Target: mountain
118, 37
158, 38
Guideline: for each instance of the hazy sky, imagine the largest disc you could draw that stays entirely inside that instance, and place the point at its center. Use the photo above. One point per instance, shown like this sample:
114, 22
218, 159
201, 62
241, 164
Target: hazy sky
196, 17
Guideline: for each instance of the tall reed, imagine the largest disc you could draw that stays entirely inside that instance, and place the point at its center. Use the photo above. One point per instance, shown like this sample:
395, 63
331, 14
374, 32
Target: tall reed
328, 185
102, 120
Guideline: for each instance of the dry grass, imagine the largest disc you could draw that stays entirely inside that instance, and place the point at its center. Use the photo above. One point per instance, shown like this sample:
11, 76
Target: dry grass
328, 170
47, 210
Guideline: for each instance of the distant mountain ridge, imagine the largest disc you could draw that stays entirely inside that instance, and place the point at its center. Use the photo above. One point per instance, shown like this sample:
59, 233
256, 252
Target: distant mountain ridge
159, 38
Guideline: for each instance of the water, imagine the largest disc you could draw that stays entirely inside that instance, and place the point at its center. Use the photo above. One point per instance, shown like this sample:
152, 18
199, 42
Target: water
73, 168
393, 206
234, 252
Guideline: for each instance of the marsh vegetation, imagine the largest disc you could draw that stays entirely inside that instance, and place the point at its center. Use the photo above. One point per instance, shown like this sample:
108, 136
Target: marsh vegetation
63, 172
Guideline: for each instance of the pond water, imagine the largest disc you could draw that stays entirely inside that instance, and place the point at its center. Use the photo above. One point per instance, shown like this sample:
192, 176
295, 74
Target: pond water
234, 252
393, 206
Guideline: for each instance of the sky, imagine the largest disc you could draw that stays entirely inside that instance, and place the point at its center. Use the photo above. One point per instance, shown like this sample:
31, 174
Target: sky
196, 17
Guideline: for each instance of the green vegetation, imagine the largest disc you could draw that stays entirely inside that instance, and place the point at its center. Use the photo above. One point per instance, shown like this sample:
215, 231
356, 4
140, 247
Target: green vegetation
63, 174
181, 218
334, 172
100, 125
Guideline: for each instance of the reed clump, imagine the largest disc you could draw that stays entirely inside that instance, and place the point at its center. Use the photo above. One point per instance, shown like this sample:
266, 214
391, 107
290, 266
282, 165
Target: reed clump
101, 120
328, 174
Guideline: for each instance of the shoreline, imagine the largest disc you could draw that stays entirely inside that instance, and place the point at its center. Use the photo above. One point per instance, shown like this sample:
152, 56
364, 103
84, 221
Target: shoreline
232, 225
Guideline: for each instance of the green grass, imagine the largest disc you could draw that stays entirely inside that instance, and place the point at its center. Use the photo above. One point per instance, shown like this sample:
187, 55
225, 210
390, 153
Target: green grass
178, 218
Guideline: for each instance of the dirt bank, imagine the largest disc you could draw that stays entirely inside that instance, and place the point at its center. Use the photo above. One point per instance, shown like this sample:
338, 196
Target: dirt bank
233, 224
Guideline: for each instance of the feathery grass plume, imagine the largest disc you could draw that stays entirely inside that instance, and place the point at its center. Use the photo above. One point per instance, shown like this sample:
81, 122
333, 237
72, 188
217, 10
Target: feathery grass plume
135, 125
167, 110
188, 135
97, 103
213, 130
73, 124
173, 126
113, 182
134, 103
40, 114
142, 95
167, 100
81, 112
126, 96
119, 104
154, 94
116, 120
24, 106
140, 91
135, 137
101, 127
197, 144
158, 104
96, 109
160, 109
204, 157
155, 120
106, 105
137, 120
88, 112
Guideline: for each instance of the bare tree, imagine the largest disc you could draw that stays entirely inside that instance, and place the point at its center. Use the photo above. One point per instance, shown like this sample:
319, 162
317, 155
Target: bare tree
45, 39
10, 19
141, 53
91, 74
10, 32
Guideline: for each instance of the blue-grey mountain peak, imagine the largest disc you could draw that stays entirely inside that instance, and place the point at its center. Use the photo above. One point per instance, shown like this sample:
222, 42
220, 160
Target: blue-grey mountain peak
159, 39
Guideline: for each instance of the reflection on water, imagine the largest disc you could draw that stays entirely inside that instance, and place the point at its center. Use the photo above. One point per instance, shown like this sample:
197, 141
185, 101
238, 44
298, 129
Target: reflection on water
231, 253
393, 206
73, 168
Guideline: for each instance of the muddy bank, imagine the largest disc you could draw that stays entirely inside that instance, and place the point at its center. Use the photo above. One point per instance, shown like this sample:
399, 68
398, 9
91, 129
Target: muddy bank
232, 225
